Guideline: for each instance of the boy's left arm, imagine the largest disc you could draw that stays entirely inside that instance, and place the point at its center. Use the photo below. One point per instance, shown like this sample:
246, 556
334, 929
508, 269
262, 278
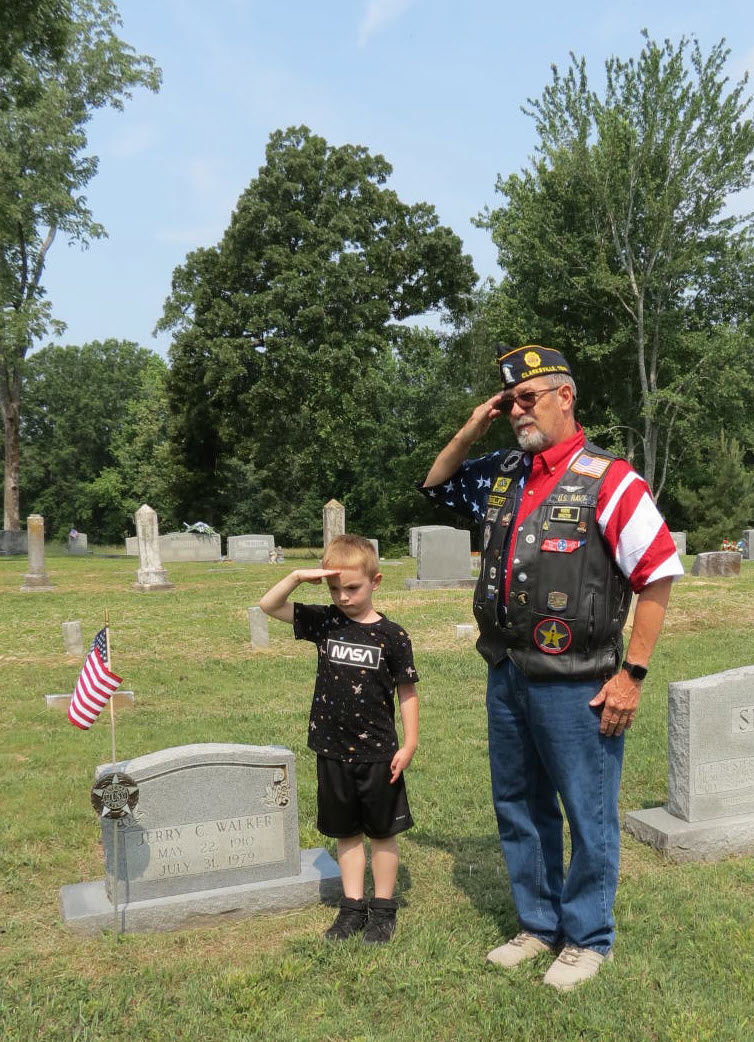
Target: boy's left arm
408, 699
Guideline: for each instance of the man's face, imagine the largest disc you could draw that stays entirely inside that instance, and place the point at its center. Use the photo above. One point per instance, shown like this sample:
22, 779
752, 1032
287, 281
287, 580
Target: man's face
545, 423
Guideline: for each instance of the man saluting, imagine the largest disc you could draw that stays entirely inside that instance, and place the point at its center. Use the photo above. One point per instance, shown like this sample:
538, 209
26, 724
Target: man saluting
568, 531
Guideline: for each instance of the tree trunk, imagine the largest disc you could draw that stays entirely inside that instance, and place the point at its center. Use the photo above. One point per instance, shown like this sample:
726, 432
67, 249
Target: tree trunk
11, 424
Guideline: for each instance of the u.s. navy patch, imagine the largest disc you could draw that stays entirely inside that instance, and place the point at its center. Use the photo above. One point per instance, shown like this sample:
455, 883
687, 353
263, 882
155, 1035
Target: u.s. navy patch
552, 636
366, 656
569, 514
501, 485
592, 466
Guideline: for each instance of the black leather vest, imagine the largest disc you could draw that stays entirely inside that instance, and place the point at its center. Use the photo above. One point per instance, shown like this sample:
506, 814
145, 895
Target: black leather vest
568, 600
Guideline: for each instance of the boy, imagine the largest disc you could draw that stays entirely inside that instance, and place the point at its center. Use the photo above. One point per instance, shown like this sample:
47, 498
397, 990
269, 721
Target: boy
362, 657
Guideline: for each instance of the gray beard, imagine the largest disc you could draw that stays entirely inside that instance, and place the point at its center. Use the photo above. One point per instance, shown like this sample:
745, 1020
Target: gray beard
532, 441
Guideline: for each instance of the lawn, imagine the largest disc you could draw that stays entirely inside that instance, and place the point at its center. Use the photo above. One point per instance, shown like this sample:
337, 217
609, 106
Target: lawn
684, 955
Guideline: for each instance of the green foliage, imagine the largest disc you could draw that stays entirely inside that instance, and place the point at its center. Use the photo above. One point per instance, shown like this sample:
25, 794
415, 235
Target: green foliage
718, 498
287, 338
93, 436
49, 94
616, 245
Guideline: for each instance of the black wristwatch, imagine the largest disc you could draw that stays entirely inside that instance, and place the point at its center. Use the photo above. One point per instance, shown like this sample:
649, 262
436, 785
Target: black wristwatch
635, 672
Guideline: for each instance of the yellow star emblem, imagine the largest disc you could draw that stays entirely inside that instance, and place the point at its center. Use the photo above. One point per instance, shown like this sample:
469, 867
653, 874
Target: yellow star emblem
553, 636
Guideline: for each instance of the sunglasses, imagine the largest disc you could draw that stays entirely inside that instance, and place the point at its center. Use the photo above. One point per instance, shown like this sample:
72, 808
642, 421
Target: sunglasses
525, 400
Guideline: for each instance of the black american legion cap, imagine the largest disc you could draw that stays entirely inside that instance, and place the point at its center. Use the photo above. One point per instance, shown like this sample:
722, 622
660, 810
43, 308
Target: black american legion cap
524, 363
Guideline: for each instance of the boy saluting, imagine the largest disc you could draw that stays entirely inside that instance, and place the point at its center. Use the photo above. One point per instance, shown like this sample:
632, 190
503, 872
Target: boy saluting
362, 657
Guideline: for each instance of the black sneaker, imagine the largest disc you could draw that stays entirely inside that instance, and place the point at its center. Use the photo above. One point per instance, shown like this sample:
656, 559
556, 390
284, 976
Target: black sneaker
381, 925
351, 918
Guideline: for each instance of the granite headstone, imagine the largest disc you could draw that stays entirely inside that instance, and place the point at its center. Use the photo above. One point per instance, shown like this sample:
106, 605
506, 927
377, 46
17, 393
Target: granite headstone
443, 559
717, 563
214, 836
256, 548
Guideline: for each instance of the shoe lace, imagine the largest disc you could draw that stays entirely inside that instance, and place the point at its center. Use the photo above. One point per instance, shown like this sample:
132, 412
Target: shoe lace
570, 955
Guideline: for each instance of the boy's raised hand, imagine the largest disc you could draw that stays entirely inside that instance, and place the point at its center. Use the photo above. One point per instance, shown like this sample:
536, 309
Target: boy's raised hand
315, 575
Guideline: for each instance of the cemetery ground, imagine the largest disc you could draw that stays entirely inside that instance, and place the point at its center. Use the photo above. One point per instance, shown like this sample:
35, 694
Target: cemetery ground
684, 955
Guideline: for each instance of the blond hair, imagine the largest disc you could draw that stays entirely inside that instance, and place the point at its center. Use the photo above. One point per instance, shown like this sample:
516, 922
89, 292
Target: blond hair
351, 551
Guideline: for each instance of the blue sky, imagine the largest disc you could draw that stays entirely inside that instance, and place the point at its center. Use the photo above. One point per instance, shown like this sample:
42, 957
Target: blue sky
436, 86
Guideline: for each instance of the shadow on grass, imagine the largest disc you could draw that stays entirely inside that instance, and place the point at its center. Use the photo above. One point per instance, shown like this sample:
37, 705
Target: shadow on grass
479, 872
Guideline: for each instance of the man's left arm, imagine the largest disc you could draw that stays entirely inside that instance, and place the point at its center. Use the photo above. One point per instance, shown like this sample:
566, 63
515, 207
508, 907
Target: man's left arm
619, 697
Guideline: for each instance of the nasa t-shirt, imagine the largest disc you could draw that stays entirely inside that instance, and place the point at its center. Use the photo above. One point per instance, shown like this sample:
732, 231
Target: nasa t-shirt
358, 668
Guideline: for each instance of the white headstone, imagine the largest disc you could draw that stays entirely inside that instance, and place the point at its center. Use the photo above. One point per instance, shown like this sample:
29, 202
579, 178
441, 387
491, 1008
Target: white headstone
258, 628
333, 521
151, 575
36, 578
413, 536
73, 642
255, 548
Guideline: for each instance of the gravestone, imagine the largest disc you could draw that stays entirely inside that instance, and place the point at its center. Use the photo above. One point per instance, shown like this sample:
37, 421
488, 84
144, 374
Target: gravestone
710, 808
251, 548
413, 536
119, 700
443, 559
13, 542
258, 628
333, 521
375, 543
78, 544
214, 836
73, 642
36, 578
747, 537
679, 538
151, 575
189, 546
717, 563
466, 631
132, 546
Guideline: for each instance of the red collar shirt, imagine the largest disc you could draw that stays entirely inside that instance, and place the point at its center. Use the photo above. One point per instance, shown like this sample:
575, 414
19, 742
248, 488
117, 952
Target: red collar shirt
633, 529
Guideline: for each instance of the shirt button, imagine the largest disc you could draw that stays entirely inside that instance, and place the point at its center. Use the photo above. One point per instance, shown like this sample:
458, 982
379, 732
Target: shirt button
530, 538
530, 493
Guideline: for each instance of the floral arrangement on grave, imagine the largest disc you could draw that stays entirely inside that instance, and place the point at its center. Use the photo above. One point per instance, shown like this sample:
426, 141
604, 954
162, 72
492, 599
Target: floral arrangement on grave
732, 547
200, 527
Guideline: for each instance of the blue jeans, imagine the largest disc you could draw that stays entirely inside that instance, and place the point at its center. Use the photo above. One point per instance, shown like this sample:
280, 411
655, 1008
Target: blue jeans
544, 741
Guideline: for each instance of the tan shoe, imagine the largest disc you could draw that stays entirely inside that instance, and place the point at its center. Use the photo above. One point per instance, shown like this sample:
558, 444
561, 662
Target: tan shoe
520, 948
573, 966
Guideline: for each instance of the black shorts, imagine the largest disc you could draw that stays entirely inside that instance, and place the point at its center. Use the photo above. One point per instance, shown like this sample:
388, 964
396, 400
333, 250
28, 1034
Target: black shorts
356, 798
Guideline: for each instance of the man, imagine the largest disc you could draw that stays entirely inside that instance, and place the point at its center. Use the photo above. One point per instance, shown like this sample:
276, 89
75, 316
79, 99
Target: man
567, 532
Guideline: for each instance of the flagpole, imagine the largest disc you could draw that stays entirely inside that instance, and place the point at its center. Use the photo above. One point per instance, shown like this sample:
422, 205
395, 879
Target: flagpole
116, 830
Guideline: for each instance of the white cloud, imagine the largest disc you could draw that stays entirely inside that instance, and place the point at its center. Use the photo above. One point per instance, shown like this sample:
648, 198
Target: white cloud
378, 14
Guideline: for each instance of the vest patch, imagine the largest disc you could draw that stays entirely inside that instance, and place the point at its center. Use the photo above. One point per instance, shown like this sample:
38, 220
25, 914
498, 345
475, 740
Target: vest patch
495, 501
552, 636
592, 466
365, 655
570, 514
562, 546
501, 485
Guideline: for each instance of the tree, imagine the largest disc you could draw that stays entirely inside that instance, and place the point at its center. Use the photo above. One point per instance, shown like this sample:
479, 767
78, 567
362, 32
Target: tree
718, 501
617, 245
284, 333
39, 27
91, 417
49, 97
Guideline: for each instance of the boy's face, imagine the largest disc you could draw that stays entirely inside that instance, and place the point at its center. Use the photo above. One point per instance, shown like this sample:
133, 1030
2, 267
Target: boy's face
351, 591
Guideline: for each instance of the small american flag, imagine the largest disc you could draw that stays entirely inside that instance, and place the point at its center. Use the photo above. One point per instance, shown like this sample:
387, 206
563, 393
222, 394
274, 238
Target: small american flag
592, 466
96, 683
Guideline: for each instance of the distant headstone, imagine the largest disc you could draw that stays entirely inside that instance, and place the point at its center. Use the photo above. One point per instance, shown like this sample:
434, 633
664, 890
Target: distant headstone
747, 538
443, 559
333, 521
190, 546
679, 538
36, 578
78, 544
120, 699
214, 836
13, 542
255, 548
413, 536
151, 575
258, 628
465, 631
72, 640
717, 563
375, 543
132, 546
710, 808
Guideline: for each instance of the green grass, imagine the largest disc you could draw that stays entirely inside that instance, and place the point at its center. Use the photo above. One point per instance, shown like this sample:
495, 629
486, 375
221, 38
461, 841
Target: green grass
684, 957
